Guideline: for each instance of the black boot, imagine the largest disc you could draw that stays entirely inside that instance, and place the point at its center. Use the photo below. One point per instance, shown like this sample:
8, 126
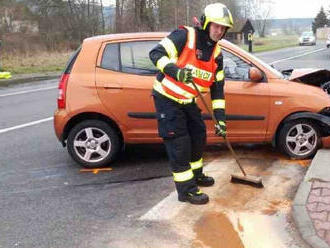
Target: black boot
203, 180
197, 198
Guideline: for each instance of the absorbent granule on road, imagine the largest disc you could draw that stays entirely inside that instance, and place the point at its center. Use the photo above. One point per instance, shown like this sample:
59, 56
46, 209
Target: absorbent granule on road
258, 218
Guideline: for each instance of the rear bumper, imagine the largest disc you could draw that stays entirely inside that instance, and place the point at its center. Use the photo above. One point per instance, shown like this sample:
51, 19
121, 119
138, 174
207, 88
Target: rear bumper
61, 118
307, 43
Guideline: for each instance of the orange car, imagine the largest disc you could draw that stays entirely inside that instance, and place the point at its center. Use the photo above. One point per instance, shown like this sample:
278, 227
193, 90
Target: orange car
105, 101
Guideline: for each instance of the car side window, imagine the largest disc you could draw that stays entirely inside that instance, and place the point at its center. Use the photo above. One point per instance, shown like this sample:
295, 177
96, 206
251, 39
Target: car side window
135, 57
110, 58
234, 67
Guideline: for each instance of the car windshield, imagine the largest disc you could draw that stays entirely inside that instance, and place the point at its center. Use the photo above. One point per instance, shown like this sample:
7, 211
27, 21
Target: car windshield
264, 64
307, 34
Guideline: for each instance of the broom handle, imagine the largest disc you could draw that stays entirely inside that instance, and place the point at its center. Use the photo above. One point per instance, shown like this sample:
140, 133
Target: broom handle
216, 123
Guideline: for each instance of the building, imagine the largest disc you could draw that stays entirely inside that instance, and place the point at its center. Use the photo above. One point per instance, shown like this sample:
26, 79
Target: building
323, 33
239, 33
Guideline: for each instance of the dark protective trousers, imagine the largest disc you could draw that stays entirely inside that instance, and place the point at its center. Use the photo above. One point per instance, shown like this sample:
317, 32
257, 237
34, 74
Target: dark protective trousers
184, 133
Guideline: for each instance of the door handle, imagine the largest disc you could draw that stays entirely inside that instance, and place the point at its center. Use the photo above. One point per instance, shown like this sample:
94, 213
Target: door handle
112, 86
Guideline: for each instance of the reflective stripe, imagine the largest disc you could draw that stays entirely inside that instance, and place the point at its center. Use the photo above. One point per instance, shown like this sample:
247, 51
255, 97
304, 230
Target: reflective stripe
162, 62
169, 47
200, 88
220, 76
158, 87
222, 123
196, 165
183, 176
219, 104
197, 193
191, 37
176, 88
217, 50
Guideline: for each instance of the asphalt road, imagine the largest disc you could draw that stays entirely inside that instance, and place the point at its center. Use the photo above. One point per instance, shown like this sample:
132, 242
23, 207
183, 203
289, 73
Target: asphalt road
45, 198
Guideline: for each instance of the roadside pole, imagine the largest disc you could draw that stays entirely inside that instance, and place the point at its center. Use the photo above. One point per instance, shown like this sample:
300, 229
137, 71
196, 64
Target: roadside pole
250, 39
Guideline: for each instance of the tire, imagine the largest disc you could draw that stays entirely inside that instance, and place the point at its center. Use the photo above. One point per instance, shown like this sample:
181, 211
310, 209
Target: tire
299, 139
93, 143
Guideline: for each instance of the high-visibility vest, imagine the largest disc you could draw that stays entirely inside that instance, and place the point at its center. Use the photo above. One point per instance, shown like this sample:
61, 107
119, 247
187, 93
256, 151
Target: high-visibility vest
202, 72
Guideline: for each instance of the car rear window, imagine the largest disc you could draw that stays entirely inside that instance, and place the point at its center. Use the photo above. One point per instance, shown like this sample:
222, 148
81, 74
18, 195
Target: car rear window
135, 57
71, 61
110, 58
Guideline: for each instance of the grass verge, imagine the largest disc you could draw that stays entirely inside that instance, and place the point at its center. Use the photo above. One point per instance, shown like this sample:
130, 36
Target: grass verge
272, 43
35, 63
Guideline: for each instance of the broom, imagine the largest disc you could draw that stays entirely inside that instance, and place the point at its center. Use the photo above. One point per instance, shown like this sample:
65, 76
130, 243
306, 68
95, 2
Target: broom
242, 179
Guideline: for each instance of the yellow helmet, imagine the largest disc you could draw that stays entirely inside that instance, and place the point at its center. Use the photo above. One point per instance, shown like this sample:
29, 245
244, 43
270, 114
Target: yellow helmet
217, 13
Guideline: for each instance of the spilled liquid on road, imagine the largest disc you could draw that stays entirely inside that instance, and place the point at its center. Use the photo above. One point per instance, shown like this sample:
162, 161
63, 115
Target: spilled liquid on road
216, 231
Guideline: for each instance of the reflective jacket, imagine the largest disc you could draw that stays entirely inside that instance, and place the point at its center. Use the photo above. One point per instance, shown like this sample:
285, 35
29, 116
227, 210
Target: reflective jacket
190, 48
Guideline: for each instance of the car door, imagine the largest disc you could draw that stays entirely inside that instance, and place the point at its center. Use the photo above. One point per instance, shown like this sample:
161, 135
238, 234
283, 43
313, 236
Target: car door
124, 80
247, 103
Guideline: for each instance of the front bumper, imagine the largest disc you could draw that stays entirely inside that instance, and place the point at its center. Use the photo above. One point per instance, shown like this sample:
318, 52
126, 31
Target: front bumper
326, 142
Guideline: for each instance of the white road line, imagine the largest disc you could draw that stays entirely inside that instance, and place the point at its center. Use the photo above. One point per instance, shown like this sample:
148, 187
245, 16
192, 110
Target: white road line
28, 91
297, 56
5, 130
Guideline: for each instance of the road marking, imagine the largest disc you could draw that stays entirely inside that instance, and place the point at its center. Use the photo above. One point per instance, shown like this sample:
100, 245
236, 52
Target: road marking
28, 91
297, 56
5, 130
96, 171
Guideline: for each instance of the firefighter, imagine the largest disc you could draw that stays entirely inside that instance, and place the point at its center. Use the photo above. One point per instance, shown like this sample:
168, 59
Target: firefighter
185, 55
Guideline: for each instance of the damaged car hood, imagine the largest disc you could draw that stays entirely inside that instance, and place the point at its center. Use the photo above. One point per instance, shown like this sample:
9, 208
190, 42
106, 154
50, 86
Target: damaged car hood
309, 76
316, 77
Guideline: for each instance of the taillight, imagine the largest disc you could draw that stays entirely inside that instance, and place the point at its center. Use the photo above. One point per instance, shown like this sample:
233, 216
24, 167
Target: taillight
62, 90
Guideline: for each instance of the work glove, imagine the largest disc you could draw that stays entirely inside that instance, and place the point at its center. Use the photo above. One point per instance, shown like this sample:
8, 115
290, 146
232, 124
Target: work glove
184, 75
220, 129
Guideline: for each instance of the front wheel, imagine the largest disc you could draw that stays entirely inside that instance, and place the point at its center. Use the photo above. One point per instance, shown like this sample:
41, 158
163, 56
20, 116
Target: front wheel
299, 139
93, 143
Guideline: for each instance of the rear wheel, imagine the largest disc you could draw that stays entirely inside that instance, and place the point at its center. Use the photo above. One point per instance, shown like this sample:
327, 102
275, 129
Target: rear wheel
93, 143
299, 139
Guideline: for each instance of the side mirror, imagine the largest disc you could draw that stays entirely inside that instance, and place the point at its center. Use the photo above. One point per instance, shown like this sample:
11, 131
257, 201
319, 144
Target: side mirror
255, 75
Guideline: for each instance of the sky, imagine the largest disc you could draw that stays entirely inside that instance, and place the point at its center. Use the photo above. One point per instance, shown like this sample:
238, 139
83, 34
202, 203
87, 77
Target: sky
290, 8
298, 8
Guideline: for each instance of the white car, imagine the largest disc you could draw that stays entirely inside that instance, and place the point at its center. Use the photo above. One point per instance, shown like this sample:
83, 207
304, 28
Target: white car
328, 41
307, 38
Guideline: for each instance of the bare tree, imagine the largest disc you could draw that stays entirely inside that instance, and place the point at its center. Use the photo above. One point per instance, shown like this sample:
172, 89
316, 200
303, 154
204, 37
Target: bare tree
261, 13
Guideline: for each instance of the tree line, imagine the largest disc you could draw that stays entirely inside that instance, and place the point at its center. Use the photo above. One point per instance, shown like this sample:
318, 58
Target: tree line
321, 20
53, 24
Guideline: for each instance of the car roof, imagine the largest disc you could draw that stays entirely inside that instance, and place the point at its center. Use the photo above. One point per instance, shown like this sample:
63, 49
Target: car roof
125, 36
141, 35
